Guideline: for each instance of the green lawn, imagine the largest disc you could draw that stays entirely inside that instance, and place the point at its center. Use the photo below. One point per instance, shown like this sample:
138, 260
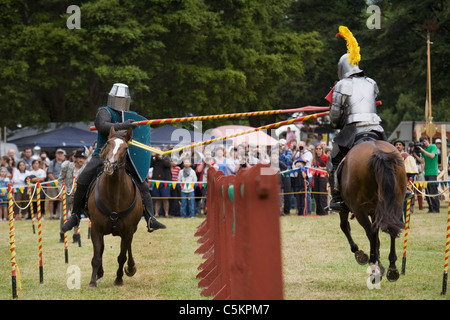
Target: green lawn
317, 262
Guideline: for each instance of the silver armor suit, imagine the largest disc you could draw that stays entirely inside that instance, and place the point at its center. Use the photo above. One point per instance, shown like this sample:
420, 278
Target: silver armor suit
354, 102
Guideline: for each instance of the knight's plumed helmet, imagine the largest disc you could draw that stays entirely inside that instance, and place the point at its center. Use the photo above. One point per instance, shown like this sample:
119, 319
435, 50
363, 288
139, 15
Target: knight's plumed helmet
119, 97
348, 63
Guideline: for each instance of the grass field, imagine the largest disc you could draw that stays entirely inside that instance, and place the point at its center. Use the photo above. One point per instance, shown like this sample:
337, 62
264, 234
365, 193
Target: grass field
317, 262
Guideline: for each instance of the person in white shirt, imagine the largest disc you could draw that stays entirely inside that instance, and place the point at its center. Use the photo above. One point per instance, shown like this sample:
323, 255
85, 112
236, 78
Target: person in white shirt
307, 155
36, 174
187, 177
19, 183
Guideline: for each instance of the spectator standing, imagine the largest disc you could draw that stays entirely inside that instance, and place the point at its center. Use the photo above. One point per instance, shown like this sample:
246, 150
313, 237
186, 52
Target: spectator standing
438, 143
187, 177
430, 160
6, 160
175, 193
69, 172
279, 167
286, 159
18, 181
410, 168
27, 157
36, 174
54, 169
308, 157
299, 182
289, 135
208, 162
161, 172
320, 180
226, 165
4, 181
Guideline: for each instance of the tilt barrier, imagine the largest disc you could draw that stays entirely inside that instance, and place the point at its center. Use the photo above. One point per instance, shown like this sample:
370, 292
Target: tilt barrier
240, 239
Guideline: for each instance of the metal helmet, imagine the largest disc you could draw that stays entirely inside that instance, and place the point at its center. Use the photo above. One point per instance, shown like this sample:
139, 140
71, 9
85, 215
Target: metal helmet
119, 97
346, 69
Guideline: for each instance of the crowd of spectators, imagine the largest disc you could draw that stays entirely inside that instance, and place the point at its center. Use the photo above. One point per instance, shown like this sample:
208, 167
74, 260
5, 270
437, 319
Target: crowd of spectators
30, 167
296, 186
188, 170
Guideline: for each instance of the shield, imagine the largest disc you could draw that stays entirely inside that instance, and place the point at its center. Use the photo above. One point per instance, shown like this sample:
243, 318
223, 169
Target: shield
139, 157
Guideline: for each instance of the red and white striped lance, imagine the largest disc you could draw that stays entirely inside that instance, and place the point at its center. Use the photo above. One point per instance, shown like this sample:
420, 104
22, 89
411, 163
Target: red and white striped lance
268, 126
226, 116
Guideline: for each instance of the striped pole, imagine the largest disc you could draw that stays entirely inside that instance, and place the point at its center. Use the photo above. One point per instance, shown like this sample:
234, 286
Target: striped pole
405, 243
12, 245
79, 235
41, 268
66, 251
447, 249
30, 194
78, 228
269, 126
226, 116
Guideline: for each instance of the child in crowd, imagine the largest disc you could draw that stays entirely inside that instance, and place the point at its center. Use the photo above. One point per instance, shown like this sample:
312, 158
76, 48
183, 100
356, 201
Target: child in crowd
187, 177
299, 182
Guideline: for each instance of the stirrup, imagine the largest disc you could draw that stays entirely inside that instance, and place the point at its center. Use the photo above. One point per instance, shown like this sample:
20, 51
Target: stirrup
72, 222
335, 205
409, 195
154, 224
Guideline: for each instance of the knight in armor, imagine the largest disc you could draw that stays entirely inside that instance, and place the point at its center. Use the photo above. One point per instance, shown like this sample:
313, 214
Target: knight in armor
353, 110
107, 117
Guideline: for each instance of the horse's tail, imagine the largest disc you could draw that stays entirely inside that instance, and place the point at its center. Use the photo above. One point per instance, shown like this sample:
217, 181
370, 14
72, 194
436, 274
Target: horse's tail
386, 213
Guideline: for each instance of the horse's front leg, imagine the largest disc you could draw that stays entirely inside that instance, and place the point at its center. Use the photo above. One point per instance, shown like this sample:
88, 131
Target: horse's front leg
392, 273
360, 256
130, 269
121, 259
98, 244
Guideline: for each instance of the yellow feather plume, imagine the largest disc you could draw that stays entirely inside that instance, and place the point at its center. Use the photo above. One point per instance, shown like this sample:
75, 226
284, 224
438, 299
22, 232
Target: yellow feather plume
352, 45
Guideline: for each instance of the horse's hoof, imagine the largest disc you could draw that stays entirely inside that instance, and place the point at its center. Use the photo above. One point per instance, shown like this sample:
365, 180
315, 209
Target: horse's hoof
129, 272
99, 280
392, 274
92, 285
118, 282
361, 257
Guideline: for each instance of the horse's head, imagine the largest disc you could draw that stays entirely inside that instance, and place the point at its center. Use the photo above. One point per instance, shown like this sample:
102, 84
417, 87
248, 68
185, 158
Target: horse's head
114, 151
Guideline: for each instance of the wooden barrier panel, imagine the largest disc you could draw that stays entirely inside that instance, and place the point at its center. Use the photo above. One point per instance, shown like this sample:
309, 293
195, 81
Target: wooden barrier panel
240, 238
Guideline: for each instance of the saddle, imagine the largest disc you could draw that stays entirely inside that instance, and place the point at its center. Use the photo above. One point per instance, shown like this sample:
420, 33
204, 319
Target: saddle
101, 206
359, 138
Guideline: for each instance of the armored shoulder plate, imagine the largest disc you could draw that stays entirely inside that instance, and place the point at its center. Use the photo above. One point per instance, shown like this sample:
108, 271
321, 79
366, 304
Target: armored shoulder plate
344, 86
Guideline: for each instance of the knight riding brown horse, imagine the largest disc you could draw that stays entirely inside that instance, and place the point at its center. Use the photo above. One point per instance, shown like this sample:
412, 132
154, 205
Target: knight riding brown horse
114, 206
373, 184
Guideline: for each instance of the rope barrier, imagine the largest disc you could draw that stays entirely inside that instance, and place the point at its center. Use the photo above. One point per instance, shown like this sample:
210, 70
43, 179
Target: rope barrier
429, 195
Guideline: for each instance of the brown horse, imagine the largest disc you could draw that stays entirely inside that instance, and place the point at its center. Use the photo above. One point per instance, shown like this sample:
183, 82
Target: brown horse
373, 184
114, 206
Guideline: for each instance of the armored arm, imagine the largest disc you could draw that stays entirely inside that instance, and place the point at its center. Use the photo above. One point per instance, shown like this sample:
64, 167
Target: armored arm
103, 122
342, 90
